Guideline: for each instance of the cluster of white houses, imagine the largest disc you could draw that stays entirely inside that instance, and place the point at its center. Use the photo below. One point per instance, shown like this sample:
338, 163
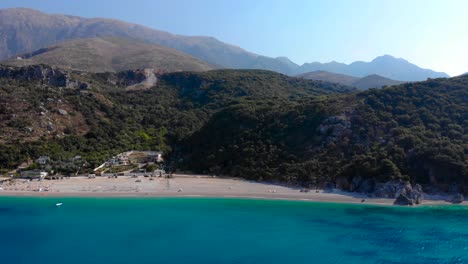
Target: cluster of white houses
122, 159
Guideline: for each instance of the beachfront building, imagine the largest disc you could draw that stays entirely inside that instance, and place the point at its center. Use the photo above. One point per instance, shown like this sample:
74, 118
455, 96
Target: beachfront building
142, 156
153, 156
43, 160
119, 160
33, 174
134, 156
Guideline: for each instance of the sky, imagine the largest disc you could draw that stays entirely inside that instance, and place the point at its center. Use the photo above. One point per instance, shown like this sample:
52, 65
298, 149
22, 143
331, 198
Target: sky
430, 33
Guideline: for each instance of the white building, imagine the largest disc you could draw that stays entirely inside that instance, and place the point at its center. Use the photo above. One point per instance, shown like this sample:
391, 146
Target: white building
43, 160
33, 174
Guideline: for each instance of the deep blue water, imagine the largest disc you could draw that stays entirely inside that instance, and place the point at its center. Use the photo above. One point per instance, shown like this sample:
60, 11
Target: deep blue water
204, 230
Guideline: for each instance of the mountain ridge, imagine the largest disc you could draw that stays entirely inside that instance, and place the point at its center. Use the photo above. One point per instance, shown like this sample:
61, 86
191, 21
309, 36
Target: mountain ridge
364, 83
110, 54
26, 30
385, 66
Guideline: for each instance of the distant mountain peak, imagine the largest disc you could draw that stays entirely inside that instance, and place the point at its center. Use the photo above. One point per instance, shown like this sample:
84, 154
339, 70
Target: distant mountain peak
385, 56
26, 30
367, 82
374, 76
285, 60
385, 66
388, 59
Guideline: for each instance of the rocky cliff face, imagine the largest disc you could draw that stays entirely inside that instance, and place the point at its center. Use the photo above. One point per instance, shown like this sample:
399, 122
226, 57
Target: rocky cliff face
37, 101
45, 74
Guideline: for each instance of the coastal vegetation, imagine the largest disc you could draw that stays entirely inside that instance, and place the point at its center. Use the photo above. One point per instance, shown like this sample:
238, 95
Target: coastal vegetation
413, 132
253, 124
103, 118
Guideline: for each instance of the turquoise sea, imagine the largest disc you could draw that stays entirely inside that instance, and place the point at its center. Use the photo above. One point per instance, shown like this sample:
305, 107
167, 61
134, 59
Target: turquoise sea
208, 230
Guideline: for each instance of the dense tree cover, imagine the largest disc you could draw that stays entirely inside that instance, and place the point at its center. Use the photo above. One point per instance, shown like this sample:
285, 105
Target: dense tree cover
115, 119
253, 124
414, 131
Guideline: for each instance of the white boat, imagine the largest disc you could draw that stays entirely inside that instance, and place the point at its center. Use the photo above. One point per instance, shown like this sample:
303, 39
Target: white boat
58, 204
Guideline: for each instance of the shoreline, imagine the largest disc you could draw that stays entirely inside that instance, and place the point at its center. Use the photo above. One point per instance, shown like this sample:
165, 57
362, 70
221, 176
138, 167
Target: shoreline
346, 200
184, 186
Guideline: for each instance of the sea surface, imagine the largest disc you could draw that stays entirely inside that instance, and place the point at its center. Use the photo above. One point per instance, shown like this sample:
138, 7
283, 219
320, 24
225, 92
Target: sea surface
209, 230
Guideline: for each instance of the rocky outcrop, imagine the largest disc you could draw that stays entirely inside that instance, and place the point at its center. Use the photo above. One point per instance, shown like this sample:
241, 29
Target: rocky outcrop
404, 193
391, 189
46, 74
457, 198
403, 199
416, 194
74, 84
336, 127
62, 112
362, 185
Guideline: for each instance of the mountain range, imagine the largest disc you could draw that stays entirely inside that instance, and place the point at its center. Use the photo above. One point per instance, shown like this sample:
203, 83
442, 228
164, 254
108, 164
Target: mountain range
370, 81
26, 30
111, 54
386, 66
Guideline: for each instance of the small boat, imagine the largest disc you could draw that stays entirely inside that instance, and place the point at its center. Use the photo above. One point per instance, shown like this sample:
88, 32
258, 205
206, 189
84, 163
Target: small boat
58, 204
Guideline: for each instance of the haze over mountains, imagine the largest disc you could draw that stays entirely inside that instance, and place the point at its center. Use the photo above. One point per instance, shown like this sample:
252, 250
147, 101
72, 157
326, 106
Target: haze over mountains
386, 66
26, 30
370, 81
111, 55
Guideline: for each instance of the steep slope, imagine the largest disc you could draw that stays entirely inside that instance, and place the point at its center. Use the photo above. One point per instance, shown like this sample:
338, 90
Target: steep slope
374, 81
357, 142
386, 66
25, 30
371, 81
249, 123
61, 113
110, 54
329, 77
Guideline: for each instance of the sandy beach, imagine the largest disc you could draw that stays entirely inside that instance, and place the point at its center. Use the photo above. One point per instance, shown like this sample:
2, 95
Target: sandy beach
182, 186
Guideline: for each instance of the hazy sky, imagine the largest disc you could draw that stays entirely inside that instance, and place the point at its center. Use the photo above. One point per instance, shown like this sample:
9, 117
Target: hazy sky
432, 34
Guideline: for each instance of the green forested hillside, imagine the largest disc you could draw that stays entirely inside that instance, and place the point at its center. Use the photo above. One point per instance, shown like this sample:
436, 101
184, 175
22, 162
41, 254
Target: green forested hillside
416, 131
104, 118
253, 124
